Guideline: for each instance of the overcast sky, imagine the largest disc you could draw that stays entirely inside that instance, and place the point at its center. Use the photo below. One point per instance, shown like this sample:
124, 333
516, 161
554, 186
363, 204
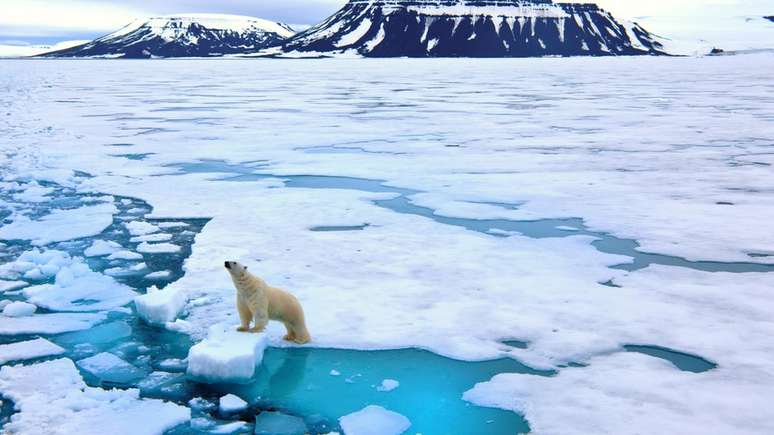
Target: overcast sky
46, 21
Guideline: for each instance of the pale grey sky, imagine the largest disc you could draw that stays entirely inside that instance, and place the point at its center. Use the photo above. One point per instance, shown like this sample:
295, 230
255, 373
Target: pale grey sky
55, 20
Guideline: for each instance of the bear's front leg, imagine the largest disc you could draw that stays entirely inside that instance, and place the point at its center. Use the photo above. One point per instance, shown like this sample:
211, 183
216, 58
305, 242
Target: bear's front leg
260, 323
244, 315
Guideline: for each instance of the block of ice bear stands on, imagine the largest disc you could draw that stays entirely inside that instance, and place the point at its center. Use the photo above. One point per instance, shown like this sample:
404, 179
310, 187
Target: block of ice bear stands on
24, 350
101, 248
226, 355
374, 420
19, 309
231, 403
276, 423
138, 228
52, 399
158, 307
109, 368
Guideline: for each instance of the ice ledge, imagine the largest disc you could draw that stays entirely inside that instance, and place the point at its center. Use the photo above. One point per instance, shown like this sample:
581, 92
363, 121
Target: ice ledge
226, 355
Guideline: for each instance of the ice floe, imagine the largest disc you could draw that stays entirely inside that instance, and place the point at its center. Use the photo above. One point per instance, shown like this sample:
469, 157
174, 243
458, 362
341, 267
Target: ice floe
19, 309
78, 288
226, 355
49, 323
24, 350
158, 248
388, 385
100, 248
52, 398
109, 368
159, 306
61, 224
231, 403
277, 423
374, 420
140, 228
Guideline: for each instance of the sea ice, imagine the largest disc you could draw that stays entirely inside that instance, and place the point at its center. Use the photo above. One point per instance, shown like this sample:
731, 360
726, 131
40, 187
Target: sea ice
140, 228
36, 264
109, 368
277, 423
61, 225
19, 309
49, 323
30, 349
158, 248
157, 237
388, 385
52, 398
125, 255
11, 285
158, 307
231, 403
226, 355
78, 288
161, 275
101, 248
374, 420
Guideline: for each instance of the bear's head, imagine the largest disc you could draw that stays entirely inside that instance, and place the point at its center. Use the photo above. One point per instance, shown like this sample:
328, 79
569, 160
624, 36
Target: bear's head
235, 268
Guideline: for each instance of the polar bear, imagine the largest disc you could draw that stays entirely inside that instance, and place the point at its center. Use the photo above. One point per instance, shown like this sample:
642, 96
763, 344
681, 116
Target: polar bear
260, 302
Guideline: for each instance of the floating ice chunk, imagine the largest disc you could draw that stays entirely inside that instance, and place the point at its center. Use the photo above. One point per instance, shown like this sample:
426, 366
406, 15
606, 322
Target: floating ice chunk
36, 264
101, 248
159, 276
19, 309
388, 385
102, 334
52, 398
277, 423
78, 288
374, 420
125, 255
28, 350
158, 307
228, 428
158, 382
158, 237
158, 248
4, 303
33, 192
231, 403
334, 373
109, 368
226, 355
173, 365
567, 228
140, 228
127, 271
172, 224
61, 225
11, 285
503, 233
49, 323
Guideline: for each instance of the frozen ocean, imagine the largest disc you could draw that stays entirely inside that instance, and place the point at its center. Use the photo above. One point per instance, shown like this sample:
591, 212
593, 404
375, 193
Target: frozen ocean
481, 246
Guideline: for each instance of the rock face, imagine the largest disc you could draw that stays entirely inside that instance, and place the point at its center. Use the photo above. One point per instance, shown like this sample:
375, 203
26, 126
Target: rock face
203, 35
473, 28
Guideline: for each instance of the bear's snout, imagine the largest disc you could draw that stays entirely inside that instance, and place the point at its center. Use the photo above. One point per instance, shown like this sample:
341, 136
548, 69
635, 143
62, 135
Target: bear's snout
228, 265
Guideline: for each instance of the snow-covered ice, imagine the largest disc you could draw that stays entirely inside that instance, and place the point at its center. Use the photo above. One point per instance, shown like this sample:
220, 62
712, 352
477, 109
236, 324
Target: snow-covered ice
231, 403
140, 228
374, 420
11, 285
49, 323
78, 288
226, 355
52, 398
101, 248
160, 306
60, 225
158, 248
19, 309
108, 367
388, 385
30, 349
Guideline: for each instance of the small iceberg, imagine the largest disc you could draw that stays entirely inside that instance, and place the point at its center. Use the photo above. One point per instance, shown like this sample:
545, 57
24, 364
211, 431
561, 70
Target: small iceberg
374, 420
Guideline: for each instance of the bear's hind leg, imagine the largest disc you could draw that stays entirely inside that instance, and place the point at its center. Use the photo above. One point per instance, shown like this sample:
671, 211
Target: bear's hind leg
291, 335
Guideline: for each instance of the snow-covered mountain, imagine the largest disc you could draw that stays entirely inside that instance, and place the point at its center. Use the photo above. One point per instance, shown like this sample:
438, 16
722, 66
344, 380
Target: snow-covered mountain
472, 28
184, 35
